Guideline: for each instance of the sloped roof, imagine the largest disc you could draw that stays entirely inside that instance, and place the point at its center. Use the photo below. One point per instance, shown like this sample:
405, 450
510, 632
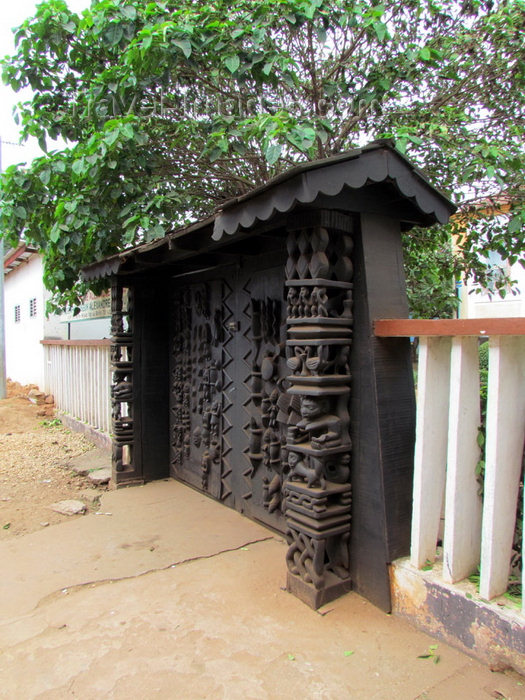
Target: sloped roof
378, 162
15, 257
359, 170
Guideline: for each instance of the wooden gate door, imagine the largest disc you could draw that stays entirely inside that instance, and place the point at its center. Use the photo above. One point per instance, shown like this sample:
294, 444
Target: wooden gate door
228, 408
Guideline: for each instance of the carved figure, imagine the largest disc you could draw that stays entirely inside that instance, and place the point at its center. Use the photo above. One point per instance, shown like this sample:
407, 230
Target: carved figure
215, 418
123, 390
197, 436
319, 301
255, 437
205, 468
303, 307
338, 469
293, 301
272, 493
347, 306
322, 428
342, 360
300, 471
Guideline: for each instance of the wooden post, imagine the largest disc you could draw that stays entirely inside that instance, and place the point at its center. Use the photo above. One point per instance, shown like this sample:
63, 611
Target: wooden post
383, 413
319, 285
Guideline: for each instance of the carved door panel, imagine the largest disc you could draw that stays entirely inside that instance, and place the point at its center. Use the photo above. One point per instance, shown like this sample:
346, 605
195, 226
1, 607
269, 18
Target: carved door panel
228, 407
197, 386
261, 403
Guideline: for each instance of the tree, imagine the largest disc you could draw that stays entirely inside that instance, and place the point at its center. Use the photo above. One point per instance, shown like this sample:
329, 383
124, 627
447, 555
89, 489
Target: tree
168, 108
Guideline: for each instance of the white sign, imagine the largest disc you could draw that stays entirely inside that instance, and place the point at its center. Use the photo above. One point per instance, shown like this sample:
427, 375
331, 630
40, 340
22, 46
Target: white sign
92, 307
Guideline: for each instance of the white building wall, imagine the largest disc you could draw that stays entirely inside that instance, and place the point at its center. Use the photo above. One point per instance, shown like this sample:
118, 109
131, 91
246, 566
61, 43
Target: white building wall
24, 352
476, 304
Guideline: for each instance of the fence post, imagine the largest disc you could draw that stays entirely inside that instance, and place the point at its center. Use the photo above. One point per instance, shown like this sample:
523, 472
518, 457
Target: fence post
430, 456
462, 537
503, 458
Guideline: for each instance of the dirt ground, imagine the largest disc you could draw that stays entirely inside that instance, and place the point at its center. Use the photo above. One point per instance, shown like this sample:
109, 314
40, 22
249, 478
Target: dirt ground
34, 473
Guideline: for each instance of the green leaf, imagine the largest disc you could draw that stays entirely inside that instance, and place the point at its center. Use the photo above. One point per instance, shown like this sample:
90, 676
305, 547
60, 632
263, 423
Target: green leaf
321, 34
232, 63
127, 130
515, 224
79, 166
20, 212
273, 152
348, 653
6, 526
184, 45
291, 657
129, 12
112, 137
45, 176
380, 30
425, 53
401, 145
113, 34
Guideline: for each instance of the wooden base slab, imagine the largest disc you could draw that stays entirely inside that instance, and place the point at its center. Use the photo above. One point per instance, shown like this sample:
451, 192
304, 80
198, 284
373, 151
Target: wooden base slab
317, 598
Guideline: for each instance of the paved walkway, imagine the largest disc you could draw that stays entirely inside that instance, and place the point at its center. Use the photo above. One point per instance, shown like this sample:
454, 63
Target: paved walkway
168, 594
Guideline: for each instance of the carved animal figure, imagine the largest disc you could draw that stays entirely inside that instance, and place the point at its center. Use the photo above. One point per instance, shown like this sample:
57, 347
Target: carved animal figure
299, 471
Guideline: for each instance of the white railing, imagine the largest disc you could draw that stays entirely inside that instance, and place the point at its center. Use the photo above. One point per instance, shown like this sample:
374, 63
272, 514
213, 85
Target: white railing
476, 530
78, 374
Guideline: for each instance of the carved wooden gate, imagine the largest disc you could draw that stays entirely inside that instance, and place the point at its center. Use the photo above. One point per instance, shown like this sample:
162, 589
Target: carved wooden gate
228, 409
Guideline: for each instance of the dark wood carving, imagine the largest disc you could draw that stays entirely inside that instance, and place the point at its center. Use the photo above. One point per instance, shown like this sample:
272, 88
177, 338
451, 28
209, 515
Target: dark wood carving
267, 404
319, 329
229, 409
122, 379
202, 333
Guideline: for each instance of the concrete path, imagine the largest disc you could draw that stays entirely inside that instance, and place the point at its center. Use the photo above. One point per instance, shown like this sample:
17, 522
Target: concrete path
168, 594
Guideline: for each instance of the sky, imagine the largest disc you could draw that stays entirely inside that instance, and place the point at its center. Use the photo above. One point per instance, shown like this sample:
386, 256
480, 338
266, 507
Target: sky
12, 14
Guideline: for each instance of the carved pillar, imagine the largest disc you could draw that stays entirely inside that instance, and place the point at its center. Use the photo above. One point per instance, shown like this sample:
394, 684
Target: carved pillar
319, 331
122, 380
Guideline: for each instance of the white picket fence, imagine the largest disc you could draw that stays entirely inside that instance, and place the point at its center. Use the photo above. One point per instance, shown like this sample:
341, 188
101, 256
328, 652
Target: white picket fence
78, 374
477, 531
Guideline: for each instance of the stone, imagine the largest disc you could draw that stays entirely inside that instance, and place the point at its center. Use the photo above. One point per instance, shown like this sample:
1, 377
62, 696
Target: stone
44, 524
89, 495
80, 469
100, 476
36, 396
49, 399
90, 461
69, 507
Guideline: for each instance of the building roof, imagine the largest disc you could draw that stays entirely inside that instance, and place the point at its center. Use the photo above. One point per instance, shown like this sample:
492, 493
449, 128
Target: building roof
14, 257
374, 178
